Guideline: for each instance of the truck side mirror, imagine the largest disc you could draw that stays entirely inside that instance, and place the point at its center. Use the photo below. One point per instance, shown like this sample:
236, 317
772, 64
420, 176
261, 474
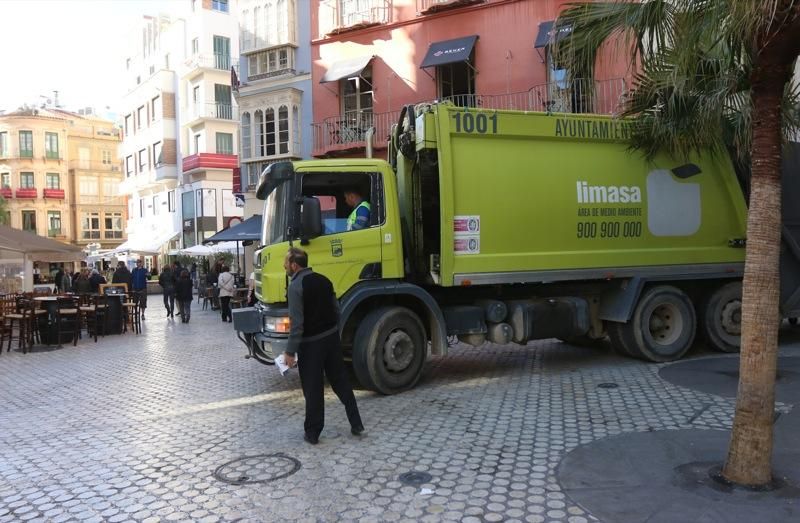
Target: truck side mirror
310, 220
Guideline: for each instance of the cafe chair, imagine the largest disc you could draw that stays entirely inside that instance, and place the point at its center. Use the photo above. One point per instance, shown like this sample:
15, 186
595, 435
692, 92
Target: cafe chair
208, 297
26, 321
67, 319
96, 316
133, 317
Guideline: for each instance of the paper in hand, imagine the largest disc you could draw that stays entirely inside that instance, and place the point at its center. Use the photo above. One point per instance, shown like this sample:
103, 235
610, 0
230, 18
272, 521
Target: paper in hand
280, 363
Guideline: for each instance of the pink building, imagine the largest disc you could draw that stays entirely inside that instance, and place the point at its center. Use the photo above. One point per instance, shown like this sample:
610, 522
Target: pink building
371, 57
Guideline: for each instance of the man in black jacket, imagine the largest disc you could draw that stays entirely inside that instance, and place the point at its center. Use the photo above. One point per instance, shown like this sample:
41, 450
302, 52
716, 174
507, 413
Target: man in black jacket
314, 336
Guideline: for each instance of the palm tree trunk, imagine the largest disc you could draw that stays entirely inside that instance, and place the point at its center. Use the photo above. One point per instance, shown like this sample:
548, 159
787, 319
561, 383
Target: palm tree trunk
750, 451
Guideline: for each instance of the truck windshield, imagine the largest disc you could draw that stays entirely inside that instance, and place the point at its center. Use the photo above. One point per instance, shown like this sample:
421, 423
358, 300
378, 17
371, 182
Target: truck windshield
275, 216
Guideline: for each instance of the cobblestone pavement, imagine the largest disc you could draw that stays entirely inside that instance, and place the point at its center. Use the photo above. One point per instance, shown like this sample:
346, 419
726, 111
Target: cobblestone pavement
132, 428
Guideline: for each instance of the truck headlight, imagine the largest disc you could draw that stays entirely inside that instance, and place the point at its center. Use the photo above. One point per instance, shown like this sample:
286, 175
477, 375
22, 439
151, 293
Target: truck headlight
279, 325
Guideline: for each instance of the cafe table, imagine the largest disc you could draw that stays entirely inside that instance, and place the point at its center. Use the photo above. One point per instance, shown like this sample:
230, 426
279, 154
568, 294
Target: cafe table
48, 329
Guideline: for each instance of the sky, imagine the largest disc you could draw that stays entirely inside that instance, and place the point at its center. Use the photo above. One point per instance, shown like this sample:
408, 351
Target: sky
77, 47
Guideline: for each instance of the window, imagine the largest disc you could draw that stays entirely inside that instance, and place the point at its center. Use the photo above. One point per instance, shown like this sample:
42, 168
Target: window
157, 154
155, 108
106, 157
222, 99
258, 122
129, 166
219, 5
88, 186
90, 225
195, 46
356, 96
270, 63
3, 144
171, 201
110, 188
141, 117
127, 64
26, 181
245, 135
155, 205
142, 160
196, 94
128, 124
224, 143
194, 5
113, 223
283, 130
197, 139
51, 145
26, 144
53, 181
141, 208
53, 223
29, 221
335, 210
5, 180
269, 138
457, 80
222, 53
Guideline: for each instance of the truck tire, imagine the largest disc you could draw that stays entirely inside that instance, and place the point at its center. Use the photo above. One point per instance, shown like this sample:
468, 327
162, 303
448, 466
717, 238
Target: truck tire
721, 318
622, 346
662, 327
389, 350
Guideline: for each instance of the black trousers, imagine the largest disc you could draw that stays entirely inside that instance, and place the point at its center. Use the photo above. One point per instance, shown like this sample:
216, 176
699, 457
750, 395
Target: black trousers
225, 301
169, 300
318, 357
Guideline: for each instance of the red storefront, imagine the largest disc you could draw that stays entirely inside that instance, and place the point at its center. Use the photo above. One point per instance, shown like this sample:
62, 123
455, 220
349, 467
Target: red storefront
371, 57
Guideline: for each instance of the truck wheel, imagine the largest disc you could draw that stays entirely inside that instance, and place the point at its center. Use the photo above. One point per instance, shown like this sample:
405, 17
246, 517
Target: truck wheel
662, 327
616, 333
389, 350
721, 318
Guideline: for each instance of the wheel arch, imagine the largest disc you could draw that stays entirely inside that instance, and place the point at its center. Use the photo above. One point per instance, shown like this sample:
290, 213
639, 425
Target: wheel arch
367, 295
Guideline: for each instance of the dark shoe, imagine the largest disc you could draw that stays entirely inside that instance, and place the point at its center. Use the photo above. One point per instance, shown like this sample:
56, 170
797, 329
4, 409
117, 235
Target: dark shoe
357, 431
168, 314
310, 438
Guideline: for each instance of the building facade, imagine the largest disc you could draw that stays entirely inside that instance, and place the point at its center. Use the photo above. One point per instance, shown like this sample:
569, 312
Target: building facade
59, 174
181, 128
273, 88
372, 57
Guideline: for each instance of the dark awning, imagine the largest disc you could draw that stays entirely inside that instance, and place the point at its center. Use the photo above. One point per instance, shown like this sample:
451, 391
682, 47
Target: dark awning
449, 51
346, 68
546, 36
250, 229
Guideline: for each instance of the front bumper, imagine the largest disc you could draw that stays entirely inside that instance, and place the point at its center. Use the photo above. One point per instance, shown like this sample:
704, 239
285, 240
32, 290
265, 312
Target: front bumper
248, 322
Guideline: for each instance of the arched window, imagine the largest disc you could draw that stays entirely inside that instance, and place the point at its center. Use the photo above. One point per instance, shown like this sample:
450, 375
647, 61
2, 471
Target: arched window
283, 128
258, 122
245, 135
296, 131
270, 127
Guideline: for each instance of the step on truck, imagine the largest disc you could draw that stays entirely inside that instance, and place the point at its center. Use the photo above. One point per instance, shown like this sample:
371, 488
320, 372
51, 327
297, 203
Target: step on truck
506, 227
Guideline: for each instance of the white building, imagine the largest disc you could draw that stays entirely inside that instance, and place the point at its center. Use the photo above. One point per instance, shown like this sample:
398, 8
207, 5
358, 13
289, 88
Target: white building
180, 128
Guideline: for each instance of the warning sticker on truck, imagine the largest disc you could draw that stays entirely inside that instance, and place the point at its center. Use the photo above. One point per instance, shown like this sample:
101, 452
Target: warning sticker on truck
467, 245
466, 225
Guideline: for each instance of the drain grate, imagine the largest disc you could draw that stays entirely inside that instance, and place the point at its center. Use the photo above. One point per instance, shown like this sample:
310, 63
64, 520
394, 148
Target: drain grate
415, 478
261, 468
609, 385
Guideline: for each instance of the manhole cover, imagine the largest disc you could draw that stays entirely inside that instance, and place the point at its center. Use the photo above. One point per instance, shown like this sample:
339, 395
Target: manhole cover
607, 385
261, 468
415, 478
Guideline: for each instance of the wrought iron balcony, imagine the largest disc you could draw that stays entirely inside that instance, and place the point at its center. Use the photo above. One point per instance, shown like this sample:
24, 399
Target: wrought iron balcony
338, 16
349, 131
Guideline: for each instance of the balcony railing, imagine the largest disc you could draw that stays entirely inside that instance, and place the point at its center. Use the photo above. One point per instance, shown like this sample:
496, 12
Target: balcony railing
6, 192
55, 194
210, 61
349, 131
338, 16
85, 165
577, 96
222, 111
434, 6
27, 193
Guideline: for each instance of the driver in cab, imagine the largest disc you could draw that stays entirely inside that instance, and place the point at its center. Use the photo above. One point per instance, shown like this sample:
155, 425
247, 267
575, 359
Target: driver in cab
359, 217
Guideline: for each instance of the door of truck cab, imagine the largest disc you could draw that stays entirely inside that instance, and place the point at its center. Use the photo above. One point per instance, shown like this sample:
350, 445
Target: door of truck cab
345, 255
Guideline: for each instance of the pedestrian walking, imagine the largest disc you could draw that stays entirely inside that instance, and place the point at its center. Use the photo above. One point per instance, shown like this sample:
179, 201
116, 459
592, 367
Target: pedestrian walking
314, 342
227, 288
139, 277
183, 293
167, 282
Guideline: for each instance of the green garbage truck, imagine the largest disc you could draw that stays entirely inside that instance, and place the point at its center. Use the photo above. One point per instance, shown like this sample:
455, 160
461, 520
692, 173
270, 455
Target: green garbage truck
505, 227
